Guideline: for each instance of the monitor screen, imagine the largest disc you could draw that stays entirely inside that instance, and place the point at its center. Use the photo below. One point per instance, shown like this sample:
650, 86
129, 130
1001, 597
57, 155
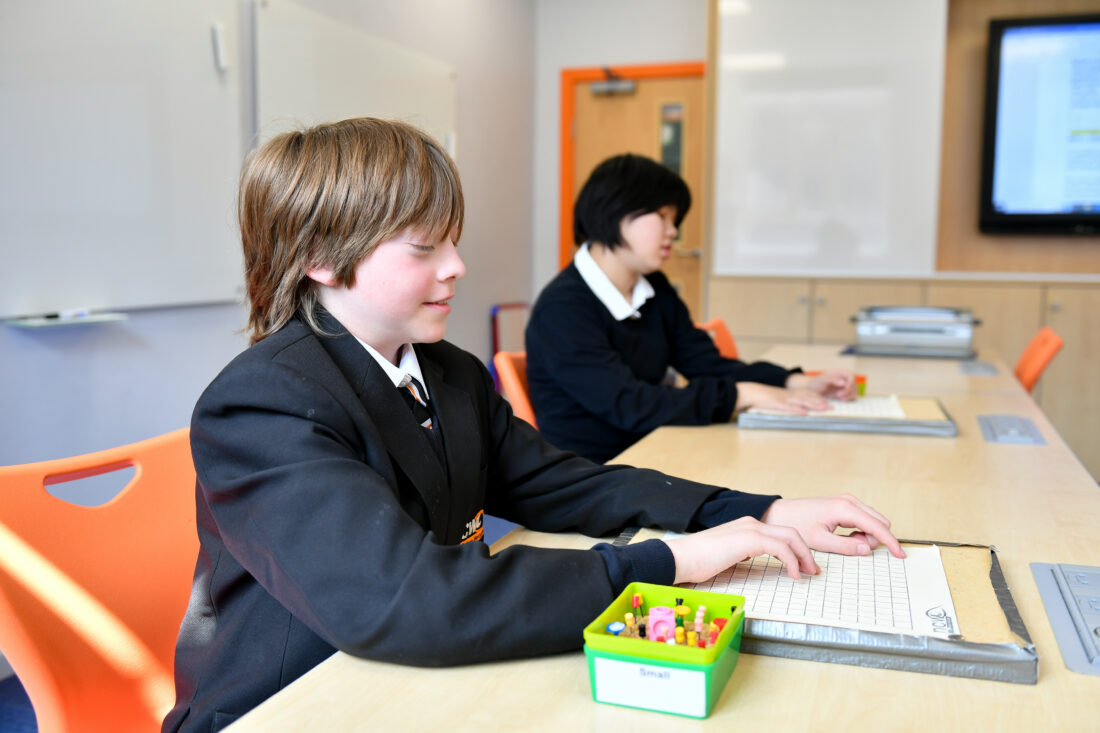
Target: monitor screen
1041, 146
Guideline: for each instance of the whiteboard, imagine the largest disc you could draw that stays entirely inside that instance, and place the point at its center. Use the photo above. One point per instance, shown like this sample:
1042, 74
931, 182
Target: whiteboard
311, 68
828, 136
120, 147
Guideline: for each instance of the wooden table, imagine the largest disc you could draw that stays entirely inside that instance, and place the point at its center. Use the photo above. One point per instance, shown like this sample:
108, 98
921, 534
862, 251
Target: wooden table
1035, 503
887, 374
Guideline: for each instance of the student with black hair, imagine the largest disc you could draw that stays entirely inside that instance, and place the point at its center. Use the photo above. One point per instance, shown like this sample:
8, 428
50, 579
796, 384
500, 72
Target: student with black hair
604, 333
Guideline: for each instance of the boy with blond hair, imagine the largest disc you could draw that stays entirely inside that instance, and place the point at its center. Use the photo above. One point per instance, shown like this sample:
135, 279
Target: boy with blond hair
346, 459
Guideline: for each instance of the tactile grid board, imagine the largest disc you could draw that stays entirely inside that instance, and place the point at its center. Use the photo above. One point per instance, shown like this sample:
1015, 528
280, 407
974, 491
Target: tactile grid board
977, 368
625, 537
1009, 429
1071, 596
869, 590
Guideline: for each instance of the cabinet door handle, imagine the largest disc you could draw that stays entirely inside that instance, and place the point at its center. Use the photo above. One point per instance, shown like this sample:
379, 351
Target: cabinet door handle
803, 299
821, 300
693, 253
1055, 307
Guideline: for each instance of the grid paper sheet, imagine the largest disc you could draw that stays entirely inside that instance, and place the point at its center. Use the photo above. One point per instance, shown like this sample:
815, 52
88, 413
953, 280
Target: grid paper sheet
876, 592
874, 406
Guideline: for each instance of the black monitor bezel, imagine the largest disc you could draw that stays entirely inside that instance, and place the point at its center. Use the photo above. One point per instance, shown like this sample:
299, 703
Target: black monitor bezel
991, 221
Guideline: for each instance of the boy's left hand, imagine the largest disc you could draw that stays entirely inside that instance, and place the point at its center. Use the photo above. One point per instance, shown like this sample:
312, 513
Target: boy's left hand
837, 384
816, 520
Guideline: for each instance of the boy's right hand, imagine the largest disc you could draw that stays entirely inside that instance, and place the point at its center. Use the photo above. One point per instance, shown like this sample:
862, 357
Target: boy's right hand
766, 397
813, 521
702, 555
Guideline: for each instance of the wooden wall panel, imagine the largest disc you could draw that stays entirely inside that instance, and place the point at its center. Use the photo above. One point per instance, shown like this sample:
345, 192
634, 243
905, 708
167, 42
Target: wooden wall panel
960, 245
1010, 313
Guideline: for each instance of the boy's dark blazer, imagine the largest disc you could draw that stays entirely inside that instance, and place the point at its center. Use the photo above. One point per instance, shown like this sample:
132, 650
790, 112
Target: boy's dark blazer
327, 522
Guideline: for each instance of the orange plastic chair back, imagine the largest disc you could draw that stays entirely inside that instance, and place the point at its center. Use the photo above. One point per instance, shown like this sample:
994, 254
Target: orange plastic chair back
91, 598
1036, 356
723, 339
512, 371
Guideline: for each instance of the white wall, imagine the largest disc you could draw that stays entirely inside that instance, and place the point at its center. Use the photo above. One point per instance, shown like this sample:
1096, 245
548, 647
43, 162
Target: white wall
79, 388
75, 389
587, 33
489, 43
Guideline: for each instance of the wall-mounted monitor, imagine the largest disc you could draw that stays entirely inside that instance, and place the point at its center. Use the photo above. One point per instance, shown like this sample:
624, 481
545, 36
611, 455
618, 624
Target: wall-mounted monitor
1041, 144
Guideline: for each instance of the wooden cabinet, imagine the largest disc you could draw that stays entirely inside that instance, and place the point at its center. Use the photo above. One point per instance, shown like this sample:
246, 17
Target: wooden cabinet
834, 302
789, 309
772, 309
1069, 390
1010, 314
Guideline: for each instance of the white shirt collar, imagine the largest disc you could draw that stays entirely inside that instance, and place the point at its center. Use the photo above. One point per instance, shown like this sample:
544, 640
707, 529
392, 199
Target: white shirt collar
602, 287
407, 367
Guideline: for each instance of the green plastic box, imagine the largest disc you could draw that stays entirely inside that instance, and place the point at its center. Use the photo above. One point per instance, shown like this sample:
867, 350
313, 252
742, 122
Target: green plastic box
640, 673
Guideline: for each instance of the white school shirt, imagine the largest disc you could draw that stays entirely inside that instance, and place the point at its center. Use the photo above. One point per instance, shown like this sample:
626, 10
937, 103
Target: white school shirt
407, 367
602, 287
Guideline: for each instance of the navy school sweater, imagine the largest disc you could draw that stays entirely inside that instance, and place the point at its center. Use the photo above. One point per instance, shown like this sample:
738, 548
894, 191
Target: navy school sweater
598, 385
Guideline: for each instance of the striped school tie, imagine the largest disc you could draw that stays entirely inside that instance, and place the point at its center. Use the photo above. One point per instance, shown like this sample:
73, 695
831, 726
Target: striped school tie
413, 393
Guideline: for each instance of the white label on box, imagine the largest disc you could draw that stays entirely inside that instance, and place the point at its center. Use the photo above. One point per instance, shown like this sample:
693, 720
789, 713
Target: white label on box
668, 689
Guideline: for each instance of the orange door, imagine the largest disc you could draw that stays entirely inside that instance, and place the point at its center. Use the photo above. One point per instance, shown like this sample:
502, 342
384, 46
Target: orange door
662, 118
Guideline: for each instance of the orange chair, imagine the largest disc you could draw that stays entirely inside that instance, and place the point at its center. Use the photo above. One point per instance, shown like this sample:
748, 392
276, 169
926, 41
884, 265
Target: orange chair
91, 598
1036, 356
512, 370
723, 339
